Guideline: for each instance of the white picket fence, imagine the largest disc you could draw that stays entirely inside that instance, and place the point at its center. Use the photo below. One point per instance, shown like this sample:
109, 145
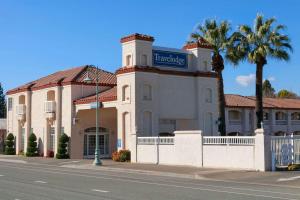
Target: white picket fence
155, 140
285, 150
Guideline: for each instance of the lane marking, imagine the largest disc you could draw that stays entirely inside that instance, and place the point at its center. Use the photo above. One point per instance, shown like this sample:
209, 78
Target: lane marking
1, 175
288, 179
60, 171
207, 179
96, 190
43, 182
165, 184
13, 161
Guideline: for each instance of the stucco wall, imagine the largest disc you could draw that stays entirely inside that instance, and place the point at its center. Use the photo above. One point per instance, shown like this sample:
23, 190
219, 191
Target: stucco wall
86, 119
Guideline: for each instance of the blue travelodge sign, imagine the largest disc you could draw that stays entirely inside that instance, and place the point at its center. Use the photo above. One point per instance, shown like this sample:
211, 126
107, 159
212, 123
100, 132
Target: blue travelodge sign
169, 59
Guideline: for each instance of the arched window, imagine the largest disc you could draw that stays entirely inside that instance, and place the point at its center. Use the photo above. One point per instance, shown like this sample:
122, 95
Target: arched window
234, 115
208, 95
280, 115
22, 99
279, 133
128, 60
51, 95
147, 123
296, 116
147, 92
125, 93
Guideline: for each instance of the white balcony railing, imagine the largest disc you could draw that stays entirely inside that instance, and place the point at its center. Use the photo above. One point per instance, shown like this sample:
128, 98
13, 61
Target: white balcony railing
50, 106
21, 109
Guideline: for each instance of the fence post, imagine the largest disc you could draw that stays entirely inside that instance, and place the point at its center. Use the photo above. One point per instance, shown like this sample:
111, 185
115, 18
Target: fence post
133, 147
157, 150
263, 155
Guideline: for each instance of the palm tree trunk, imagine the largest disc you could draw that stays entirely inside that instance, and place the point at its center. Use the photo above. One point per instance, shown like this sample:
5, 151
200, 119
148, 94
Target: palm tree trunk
221, 104
259, 96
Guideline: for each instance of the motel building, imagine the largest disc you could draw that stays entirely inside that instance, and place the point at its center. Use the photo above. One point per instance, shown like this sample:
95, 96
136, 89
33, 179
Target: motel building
156, 91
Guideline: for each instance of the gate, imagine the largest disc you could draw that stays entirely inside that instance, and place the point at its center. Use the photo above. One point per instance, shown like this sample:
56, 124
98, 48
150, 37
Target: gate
285, 150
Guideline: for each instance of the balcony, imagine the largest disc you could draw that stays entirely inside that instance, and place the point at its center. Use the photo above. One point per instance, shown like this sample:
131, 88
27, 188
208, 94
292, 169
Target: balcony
21, 112
49, 108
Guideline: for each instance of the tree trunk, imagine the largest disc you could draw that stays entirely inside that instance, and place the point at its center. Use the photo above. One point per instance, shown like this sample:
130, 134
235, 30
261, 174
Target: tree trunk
221, 104
259, 96
218, 66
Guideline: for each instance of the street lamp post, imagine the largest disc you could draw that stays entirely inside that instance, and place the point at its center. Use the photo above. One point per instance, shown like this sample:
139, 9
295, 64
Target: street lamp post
97, 160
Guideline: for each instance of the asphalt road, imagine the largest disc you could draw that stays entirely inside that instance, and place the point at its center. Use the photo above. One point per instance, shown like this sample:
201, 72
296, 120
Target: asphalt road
21, 181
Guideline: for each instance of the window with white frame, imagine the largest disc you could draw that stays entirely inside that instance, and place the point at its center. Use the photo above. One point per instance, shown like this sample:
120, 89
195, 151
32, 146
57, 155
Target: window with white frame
280, 116
234, 115
128, 60
266, 116
125, 93
10, 103
144, 60
147, 92
296, 116
52, 138
208, 95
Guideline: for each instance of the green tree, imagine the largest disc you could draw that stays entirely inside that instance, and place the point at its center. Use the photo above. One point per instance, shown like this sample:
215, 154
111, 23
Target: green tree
257, 45
219, 37
62, 152
32, 149
2, 103
10, 145
286, 94
268, 90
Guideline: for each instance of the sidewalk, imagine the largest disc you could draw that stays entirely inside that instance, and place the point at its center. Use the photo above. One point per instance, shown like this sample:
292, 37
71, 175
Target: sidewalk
127, 167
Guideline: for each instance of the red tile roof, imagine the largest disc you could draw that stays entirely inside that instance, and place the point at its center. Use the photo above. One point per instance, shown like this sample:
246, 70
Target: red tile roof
71, 76
233, 100
107, 95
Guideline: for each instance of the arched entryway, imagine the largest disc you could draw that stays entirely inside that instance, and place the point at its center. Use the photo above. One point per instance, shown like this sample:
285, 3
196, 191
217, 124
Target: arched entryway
90, 142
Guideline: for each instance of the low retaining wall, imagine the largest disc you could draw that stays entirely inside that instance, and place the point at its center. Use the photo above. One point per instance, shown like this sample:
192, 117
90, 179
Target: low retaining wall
191, 149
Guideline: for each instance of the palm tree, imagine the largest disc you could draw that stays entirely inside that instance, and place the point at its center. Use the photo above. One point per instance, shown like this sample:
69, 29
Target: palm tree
257, 45
218, 36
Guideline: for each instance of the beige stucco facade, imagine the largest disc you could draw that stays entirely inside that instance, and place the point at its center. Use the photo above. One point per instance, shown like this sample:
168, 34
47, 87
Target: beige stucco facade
151, 99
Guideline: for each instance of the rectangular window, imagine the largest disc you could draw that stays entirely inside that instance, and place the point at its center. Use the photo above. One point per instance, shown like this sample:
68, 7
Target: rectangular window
62, 130
128, 60
10, 104
52, 138
144, 60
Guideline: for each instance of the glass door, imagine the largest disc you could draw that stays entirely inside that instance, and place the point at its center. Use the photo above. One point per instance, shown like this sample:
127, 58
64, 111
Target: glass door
90, 145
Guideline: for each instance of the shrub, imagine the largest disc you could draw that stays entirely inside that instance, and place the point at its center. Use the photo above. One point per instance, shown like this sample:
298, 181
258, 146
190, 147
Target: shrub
121, 156
294, 167
116, 156
50, 154
62, 152
10, 145
32, 149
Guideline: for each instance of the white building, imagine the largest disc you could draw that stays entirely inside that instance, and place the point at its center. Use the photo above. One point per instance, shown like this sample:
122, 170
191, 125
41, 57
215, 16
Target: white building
281, 116
157, 90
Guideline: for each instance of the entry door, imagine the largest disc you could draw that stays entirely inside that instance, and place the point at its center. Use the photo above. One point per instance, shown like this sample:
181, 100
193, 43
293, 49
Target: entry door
90, 145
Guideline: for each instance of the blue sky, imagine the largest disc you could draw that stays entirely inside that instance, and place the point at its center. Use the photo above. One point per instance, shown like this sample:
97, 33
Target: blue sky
38, 37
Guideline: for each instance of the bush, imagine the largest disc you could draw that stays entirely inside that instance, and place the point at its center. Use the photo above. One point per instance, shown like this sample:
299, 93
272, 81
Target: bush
10, 145
62, 152
32, 149
115, 156
294, 167
50, 154
121, 156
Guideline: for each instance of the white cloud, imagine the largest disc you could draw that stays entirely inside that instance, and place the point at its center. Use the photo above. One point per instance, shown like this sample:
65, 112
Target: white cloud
245, 80
271, 78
